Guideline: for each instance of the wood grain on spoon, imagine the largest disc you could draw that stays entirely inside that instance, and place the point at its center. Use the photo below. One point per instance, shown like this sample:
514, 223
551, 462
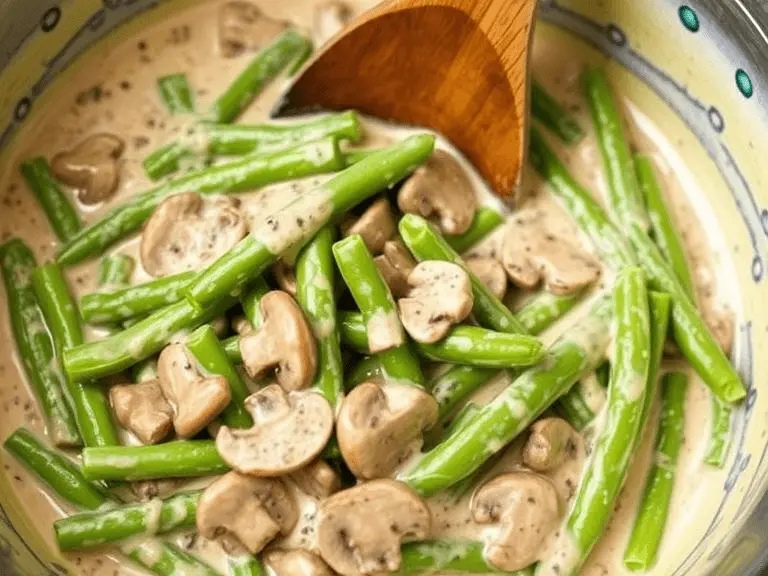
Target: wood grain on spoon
459, 67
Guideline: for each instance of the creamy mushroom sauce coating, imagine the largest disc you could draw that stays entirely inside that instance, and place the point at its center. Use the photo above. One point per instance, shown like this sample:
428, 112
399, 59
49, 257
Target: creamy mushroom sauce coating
111, 90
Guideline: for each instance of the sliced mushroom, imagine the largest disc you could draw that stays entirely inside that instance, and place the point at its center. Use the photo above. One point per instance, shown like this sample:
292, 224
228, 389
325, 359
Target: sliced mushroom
92, 167
550, 441
378, 425
395, 264
142, 409
243, 512
440, 296
196, 399
243, 26
289, 431
189, 231
376, 226
241, 325
147, 490
318, 479
284, 342
530, 253
721, 324
442, 188
360, 530
526, 509
297, 562
330, 18
285, 276
491, 273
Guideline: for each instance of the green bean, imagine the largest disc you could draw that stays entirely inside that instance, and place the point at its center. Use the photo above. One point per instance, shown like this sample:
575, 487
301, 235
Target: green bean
91, 406
425, 243
367, 368
144, 370
245, 173
467, 345
57, 207
545, 309
264, 67
624, 200
231, 347
209, 353
439, 556
377, 305
90, 529
138, 342
250, 299
210, 139
116, 270
58, 472
132, 301
301, 59
176, 94
34, 343
551, 114
244, 565
616, 441
485, 221
670, 245
651, 519
315, 286
68, 483
587, 213
178, 459
292, 226
456, 384
573, 355
574, 408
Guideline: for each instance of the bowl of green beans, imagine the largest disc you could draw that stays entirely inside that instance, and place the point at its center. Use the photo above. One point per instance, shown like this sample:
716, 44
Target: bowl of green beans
236, 345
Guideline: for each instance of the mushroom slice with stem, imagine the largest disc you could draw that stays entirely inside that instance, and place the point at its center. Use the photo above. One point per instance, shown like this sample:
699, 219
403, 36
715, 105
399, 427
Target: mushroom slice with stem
330, 18
360, 530
491, 273
550, 441
440, 296
245, 513
243, 26
189, 231
196, 399
395, 264
92, 167
378, 426
531, 253
317, 479
526, 509
284, 342
285, 276
289, 431
142, 409
376, 226
297, 562
442, 188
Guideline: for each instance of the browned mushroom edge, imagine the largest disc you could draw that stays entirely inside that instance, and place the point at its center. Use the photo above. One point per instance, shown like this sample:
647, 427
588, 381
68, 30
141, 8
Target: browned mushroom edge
243, 26
92, 167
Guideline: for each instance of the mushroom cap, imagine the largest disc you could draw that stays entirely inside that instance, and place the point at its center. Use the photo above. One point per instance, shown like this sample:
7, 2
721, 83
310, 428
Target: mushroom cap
377, 426
395, 264
329, 19
289, 431
296, 562
375, 226
550, 440
317, 479
142, 409
530, 253
526, 508
196, 400
360, 530
440, 187
92, 167
189, 231
491, 273
243, 512
285, 341
440, 296
243, 26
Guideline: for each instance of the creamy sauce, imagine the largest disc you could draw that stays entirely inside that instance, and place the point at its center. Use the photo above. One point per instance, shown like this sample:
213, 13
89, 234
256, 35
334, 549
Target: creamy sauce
113, 90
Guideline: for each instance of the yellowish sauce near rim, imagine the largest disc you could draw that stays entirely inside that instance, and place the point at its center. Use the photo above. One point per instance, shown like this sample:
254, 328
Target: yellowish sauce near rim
113, 90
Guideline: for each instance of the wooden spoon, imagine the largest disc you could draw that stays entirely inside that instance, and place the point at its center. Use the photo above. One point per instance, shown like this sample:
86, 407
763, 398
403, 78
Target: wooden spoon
459, 67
